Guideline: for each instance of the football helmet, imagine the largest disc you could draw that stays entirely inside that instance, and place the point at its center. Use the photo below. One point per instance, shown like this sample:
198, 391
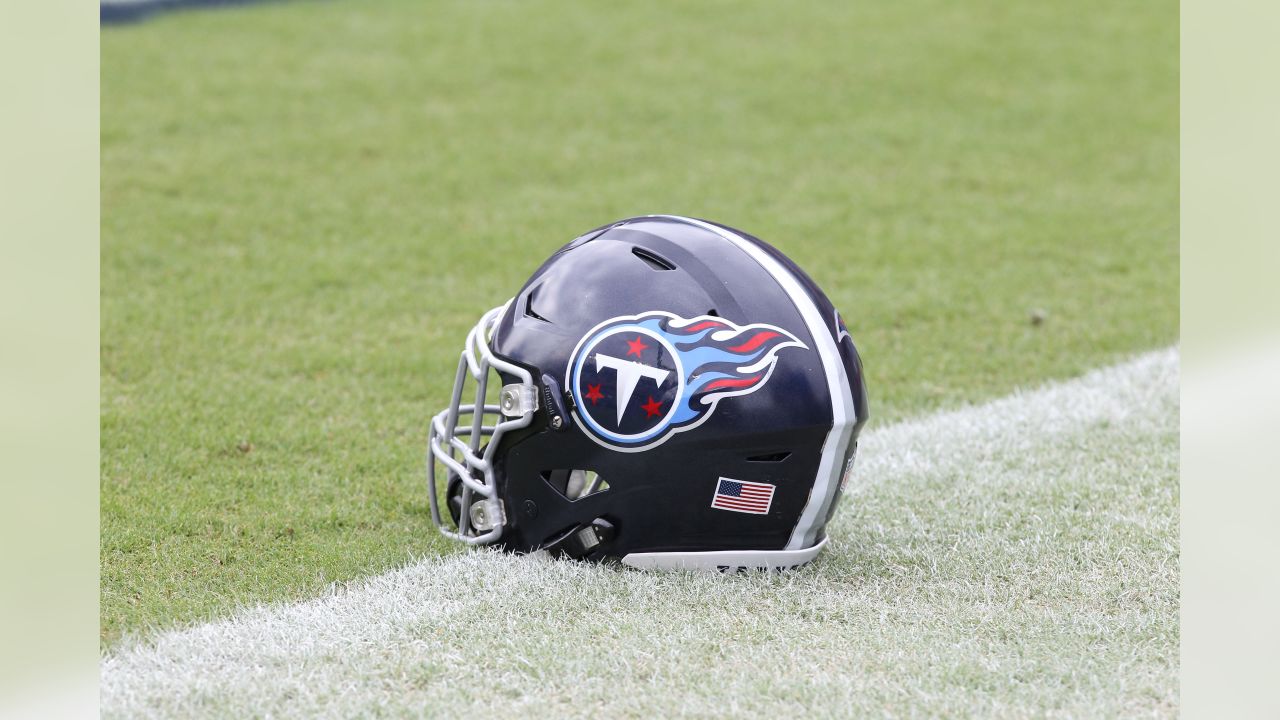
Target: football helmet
664, 391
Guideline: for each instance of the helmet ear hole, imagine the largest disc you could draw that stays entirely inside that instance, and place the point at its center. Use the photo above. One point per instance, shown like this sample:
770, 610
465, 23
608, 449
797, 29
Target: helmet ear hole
575, 484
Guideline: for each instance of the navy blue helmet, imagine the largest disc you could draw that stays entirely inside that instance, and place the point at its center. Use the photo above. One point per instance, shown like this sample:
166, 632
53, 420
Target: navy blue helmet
664, 391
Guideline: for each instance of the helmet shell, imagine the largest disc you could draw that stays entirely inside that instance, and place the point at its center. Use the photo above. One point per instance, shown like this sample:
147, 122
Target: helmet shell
660, 493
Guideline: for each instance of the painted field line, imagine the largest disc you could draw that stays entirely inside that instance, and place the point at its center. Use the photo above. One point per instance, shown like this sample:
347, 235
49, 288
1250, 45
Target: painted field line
944, 606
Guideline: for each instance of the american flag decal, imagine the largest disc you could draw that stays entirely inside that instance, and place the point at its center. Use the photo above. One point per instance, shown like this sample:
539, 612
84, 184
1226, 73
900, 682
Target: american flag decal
742, 496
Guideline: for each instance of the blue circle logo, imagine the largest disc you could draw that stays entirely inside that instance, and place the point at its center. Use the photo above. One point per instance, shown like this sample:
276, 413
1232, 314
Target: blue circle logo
638, 379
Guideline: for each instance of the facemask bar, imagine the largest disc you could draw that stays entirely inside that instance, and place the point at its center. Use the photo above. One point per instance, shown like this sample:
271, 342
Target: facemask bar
458, 431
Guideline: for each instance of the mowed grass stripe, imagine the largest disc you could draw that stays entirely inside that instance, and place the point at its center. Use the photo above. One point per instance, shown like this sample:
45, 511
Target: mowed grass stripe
1016, 558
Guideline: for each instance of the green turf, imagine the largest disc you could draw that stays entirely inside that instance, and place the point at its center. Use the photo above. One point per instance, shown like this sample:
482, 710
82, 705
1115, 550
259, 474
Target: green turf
305, 206
1018, 560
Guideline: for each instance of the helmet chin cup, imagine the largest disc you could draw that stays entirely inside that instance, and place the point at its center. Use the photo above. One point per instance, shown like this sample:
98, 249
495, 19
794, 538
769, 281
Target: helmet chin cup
464, 436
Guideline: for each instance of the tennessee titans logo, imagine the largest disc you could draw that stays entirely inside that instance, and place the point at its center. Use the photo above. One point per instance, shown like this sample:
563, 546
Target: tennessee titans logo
639, 379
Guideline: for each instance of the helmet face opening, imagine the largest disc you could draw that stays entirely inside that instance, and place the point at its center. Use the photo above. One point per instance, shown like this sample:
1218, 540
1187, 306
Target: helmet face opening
663, 391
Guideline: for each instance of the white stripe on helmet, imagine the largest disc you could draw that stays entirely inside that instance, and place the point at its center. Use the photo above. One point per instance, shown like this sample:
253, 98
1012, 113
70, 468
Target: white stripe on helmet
844, 415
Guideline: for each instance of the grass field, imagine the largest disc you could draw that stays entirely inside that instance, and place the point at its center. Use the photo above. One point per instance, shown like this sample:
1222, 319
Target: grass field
1030, 569
305, 206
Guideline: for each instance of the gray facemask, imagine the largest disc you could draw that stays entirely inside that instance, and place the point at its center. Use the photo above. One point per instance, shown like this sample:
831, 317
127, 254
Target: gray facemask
458, 431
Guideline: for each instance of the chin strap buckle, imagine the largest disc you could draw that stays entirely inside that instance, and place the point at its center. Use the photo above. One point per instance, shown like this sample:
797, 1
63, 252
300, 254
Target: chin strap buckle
582, 540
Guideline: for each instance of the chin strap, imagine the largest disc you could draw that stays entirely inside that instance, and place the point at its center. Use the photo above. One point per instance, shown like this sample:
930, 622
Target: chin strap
582, 540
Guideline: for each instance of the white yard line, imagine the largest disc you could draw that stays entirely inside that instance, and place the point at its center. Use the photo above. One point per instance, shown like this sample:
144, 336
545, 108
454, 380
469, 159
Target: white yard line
480, 631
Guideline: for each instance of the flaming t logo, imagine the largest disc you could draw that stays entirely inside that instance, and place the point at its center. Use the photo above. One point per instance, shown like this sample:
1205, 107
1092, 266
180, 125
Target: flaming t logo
638, 379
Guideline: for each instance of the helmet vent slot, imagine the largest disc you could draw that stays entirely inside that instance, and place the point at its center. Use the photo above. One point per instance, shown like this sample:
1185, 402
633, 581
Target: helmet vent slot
770, 457
657, 262
529, 312
575, 484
